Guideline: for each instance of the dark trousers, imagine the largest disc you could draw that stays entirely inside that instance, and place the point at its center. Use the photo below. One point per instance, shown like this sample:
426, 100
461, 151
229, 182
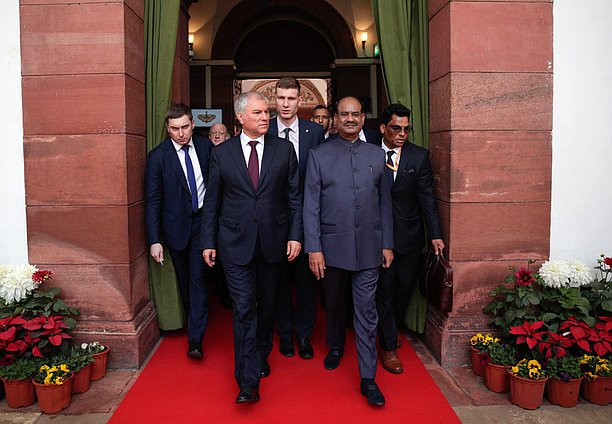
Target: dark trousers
192, 277
252, 288
395, 286
302, 315
363, 286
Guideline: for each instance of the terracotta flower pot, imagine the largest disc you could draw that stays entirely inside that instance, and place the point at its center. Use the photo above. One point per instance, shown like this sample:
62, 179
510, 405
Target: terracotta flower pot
525, 392
477, 366
562, 393
19, 393
98, 369
597, 391
82, 378
496, 378
53, 398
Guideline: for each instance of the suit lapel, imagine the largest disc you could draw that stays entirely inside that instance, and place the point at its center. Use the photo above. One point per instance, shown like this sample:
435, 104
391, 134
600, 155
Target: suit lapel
238, 156
175, 164
405, 158
268, 154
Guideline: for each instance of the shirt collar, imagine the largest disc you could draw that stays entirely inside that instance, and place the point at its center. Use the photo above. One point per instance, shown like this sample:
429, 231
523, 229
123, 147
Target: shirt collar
244, 139
294, 126
178, 147
397, 150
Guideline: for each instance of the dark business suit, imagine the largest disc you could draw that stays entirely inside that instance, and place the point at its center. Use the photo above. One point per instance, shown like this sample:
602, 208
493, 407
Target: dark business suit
250, 229
348, 217
303, 315
413, 203
170, 219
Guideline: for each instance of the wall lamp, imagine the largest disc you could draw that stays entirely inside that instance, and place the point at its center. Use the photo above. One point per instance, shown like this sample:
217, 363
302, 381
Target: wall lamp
191, 39
364, 40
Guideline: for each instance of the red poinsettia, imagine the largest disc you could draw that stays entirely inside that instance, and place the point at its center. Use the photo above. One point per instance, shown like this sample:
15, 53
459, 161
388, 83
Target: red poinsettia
528, 333
608, 261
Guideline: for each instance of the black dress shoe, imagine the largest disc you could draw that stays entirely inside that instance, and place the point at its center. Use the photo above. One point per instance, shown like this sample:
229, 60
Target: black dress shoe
332, 360
370, 390
195, 350
265, 368
286, 347
305, 348
247, 394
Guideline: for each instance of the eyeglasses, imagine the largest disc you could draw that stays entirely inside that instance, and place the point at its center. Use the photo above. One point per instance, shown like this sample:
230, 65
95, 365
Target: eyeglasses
398, 128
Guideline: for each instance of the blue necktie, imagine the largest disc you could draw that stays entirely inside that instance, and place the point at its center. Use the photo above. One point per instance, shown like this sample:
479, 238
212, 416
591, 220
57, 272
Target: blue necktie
191, 179
389, 171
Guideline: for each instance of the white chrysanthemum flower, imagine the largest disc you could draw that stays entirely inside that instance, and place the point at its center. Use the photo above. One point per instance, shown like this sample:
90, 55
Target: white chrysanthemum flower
555, 273
16, 282
580, 274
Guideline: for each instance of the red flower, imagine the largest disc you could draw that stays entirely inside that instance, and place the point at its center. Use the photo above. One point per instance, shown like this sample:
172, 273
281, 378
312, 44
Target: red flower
42, 276
528, 333
608, 261
524, 277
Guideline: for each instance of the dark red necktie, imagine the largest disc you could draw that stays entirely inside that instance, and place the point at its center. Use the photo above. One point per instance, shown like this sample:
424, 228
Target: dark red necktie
253, 166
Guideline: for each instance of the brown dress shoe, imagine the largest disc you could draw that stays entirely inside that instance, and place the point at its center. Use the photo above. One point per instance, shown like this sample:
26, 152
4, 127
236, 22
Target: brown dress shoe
390, 361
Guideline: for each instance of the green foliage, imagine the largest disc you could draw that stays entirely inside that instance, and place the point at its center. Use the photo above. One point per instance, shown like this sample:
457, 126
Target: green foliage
41, 302
21, 369
501, 354
512, 305
78, 358
558, 304
564, 368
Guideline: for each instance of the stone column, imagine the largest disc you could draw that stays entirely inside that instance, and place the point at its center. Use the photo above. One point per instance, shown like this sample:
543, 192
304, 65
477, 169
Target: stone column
84, 142
490, 87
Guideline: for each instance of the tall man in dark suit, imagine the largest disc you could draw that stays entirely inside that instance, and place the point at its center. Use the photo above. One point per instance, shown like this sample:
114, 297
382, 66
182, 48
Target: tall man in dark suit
303, 135
411, 180
175, 183
348, 233
252, 219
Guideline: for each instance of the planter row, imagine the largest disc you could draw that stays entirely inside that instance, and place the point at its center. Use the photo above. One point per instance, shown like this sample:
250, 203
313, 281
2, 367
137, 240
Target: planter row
528, 393
54, 398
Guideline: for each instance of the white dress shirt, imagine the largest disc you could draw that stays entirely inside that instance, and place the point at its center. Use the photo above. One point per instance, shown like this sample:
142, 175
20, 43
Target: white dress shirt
196, 168
395, 158
246, 148
294, 134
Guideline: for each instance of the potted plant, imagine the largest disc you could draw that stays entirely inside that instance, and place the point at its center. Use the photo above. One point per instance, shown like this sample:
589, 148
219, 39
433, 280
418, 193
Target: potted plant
563, 385
17, 378
597, 386
478, 344
80, 361
100, 355
527, 381
498, 358
53, 383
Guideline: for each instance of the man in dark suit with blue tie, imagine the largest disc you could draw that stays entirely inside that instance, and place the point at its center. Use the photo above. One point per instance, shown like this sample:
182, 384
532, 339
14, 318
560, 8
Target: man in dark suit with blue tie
175, 183
252, 220
348, 234
303, 135
410, 177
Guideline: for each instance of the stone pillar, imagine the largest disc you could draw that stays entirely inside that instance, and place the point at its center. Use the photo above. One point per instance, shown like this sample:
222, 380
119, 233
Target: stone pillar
180, 71
84, 142
490, 86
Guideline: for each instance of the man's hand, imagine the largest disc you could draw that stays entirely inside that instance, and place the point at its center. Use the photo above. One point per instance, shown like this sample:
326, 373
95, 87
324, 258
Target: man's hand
387, 257
209, 256
157, 252
438, 245
293, 249
317, 264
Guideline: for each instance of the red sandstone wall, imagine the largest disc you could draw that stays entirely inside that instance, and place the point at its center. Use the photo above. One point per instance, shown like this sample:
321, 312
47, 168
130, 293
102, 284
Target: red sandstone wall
491, 120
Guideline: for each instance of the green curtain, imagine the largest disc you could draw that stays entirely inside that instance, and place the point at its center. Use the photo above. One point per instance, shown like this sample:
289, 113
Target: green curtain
402, 28
161, 24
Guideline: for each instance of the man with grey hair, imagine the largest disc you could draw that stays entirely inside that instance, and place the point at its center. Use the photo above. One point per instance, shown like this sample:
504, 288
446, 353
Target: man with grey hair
253, 221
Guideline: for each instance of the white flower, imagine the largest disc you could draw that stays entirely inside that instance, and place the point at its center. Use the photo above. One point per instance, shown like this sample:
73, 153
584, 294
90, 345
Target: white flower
16, 282
580, 274
84, 345
555, 273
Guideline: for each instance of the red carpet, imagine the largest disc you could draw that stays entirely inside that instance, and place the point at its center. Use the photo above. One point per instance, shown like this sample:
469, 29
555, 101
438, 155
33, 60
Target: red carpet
174, 389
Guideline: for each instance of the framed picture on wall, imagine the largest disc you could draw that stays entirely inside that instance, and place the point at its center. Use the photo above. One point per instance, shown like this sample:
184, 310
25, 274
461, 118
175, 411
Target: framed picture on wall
207, 117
